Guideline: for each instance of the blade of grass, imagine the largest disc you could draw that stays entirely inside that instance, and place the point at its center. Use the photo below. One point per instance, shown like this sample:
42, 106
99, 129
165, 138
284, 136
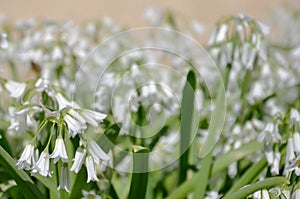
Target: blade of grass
234, 155
187, 109
264, 184
203, 177
250, 175
48, 182
139, 180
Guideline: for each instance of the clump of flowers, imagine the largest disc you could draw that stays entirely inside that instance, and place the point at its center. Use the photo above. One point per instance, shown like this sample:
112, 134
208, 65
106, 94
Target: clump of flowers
129, 117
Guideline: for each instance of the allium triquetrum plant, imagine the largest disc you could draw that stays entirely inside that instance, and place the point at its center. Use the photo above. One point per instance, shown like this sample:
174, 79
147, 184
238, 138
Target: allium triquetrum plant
94, 110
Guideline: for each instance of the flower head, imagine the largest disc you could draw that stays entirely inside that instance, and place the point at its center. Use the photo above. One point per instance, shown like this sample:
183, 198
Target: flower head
59, 151
28, 158
78, 160
96, 152
64, 181
91, 169
42, 165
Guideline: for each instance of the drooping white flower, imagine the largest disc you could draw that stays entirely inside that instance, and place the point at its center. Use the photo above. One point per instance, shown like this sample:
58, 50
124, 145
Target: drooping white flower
270, 134
294, 166
74, 126
43, 84
97, 153
290, 154
42, 165
93, 117
78, 160
261, 194
64, 179
91, 169
15, 89
28, 158
295, 117
64, 103
265, 194
59, 151
275, 165
296, 194
221, 36
286, 193
296, 141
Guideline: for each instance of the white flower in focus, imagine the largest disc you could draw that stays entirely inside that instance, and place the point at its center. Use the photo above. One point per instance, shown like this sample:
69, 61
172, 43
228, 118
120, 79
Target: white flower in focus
92, 117
91, 169
15, 89
96, 152
42, 165
64, 180
90, 194
27, 159
74, 126
78, 160
59, 151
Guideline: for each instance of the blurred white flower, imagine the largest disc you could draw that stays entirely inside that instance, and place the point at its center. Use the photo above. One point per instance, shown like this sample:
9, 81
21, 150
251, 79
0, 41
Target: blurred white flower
270, 134
90, 195
15, 89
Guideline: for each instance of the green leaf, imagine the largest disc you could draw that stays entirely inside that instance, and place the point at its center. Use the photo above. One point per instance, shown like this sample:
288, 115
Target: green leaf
139, 180
25, 183
4, 143
224, 161
203, 177
107, 141
264, 184
48, 182
249, 176
79, 185
186, 125
214, 131
217, 122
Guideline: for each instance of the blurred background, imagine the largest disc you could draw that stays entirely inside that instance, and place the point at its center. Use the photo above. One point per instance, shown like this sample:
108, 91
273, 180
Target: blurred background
130, 12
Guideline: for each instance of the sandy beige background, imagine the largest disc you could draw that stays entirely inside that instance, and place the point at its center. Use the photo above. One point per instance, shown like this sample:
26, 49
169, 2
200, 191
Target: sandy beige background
129, 12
